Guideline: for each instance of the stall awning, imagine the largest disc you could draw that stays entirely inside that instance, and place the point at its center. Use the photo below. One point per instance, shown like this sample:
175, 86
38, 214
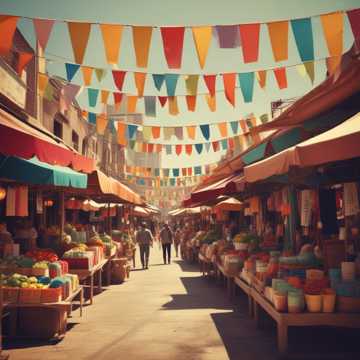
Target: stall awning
339, 143
140, 212
22, 140
230, 204
37, 172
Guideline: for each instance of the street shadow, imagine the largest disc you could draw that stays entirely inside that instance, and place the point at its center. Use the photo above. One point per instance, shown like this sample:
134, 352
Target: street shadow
186, 267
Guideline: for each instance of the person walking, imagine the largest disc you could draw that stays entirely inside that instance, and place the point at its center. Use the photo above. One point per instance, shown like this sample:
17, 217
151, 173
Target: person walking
166, 238
144, 238
177, 241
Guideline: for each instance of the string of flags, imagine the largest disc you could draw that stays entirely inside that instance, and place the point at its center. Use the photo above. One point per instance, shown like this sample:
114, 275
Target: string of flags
170, 182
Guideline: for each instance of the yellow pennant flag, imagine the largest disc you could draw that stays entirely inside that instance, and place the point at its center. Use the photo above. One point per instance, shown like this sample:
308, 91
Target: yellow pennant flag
223, 129
173, 105
140, 82
79, 35
202, 38
278, 32
131, 104
43, 80
147, 132
142, 40
307, 68
87, 74
211, 101
333, 27
112, 39
191, 82
191, 131
101, 123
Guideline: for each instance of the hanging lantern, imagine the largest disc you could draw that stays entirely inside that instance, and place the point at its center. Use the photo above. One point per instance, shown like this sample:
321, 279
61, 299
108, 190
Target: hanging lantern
48, 203
2, 193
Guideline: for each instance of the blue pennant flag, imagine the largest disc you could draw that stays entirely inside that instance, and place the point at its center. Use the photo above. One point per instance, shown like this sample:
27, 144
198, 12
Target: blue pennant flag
303, 34
158, 80
199, 148
131, 131
71, 70
93, 96
176, 172
205, 130
92, 118
171, 82
234, 126
247, 85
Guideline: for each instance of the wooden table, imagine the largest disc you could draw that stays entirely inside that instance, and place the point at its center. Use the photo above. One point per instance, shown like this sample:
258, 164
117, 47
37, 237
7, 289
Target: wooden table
86, 277
246, 288
284, 320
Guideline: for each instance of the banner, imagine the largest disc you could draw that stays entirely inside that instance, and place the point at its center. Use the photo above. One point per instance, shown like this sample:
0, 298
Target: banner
79, 36
93, 96
202, 38
223, 129
333, 28
211, 101
119, 77
247, 85
261, 76
42, 29
210, 81
150, 106
191, 102
191, 82
112, 39
229, 85
87, 74
23, 60
142, 40
173, 41
281, 79
249, 35
140, 82
227, 36
171, 82
158, 80
303, 34
71, 70
205, 130
191, 131
173, 105
278, 32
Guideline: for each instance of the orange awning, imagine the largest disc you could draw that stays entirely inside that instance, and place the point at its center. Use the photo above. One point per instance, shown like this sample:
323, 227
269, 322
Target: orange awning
230, 205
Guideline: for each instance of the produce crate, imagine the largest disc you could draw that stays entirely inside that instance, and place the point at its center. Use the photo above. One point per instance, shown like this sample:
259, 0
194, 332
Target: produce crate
80, 263
51, 295
29, 296
10, 295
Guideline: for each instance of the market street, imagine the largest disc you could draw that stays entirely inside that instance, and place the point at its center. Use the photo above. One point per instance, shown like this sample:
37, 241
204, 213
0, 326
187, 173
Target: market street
161, 313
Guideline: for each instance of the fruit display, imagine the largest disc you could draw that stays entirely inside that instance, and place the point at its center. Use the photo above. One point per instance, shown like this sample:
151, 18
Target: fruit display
42, 255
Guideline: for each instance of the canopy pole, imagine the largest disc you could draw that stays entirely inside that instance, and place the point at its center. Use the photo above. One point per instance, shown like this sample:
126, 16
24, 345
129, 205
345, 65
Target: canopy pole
61, 213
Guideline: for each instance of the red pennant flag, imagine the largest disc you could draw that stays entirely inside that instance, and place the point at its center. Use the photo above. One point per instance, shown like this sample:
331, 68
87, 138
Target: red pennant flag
117, 97
191, 102
119, 77
249, 34
281, 79
188, 149
178, 149
23, 59
354, 19
43, 29
7, 31
150, 148
210, 81
231, 143
229, 84
163, 100
215, 145
173, 41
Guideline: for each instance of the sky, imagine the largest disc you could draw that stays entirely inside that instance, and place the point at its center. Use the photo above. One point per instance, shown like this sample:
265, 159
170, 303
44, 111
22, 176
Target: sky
186, 13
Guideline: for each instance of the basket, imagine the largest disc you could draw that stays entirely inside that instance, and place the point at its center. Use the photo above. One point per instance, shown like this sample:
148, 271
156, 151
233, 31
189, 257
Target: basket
10, 295
348, 304
29, 296
50, 295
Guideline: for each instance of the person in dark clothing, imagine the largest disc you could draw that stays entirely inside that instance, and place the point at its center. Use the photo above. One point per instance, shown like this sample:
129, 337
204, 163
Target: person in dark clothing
144, 238
166, 238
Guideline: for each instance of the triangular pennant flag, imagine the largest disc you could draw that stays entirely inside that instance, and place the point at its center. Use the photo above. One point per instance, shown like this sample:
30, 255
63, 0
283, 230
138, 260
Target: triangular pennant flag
7, 31
43, 29
87, 72
105, 96
173, 106
303, 34
188, 149
121, 135
178, 149
117, 99
227, 36
142, 40
281, 79
184, 171
92, 118
168, 149
354, 19
191, 131
69, 92
261, 76
132, 144
178, 131
249, 34
247, 85
199, 148
79, 35
176, 172
150, 106
147, 133
93, 96
150, 148
171, 82
215, 146
131, 131
229, 85
155, 131
140, 82
168, 132
278, 32
173, 41
49, 92
23, 60
158, 148
197, 170
224, 144
158, 80
333, 28
111, 35
307, 68
71, 70
191, 82
190, 171
119, 77
211, 101
101, 124
243, 126
210, 81
191, 102
202, 38
234, 126
100, 74
131, 103
205, 130
163, 100
223, 129
231, 143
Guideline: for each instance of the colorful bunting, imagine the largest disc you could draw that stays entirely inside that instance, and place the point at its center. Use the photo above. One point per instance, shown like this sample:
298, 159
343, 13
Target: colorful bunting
147, 133
205, 130
101, 124
173, 41
168, 149
142, 40
79, 36
223, 129
71, 70
308, 69
119, 77
215, 146
93, 96
163, 100
281, 79
261, 76
168, 132
202, 38
43, 80
43, 29
278, 32
131, 131
100, 74
231, 143
173, 105
191, 131
247, 85
249, 35
234, 126
178, 149
23, 60
333, 28
191, 82
140, 82
131, 104
224, 144
87, 74
92, 118
117, 99
191, 102
155, 131
112, 38
303, 34
354, 19
69, 92
105, 96
179, 133
188, 149
150, 106
229, 85
158, 80
211, 101
7, 31
171, 82
210, 81
199, 148
121, 135
228, 36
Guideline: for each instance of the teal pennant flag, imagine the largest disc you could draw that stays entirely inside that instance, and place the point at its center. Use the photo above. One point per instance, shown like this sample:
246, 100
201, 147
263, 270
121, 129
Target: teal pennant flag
247, 85
303, 34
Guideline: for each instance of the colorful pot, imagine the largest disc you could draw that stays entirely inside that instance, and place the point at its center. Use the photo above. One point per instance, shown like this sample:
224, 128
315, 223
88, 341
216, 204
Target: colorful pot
328, 301
313, 303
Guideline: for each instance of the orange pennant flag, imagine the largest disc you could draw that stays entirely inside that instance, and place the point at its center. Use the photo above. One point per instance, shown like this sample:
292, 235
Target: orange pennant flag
87, 74
332, 64
173, 105
112, 39
191, 131
211, 101
23, 59
121, 134
223, 129
202, 38
229, 85
142, 40
140, 82
333, 27
43, 80
104, 96
155, 131
131, 103
7, 31
191, 102
188, 149
261, 76
278, 32
158, 148
101, 123
79, 36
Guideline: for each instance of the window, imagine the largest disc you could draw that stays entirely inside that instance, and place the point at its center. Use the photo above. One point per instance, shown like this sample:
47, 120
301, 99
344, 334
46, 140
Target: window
75, 140
58, 129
